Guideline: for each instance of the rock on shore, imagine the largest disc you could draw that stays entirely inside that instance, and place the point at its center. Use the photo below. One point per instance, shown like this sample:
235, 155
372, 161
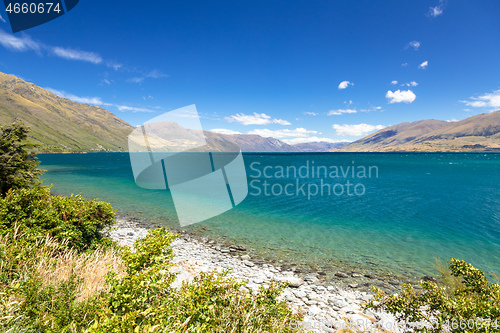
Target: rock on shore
327, 308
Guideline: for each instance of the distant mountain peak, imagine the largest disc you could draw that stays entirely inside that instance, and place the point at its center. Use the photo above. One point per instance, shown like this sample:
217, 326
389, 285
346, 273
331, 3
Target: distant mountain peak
476, 133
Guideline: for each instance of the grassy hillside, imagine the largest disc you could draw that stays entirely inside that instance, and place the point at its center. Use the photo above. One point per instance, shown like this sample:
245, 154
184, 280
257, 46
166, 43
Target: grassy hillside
59, 124
477, 133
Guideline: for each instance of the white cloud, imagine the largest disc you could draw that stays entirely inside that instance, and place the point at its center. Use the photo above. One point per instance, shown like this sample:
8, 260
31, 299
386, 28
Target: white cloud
355, 130
2, 19
414, 44
340, 112
311, 113
411, 84
154, 74
394, 82
311, 139
375, 108
136, 79
424, 65
25, 43
404, 64
116, 66
19, 44
452, 120
255, 119
438, 10
85, 100
131, 108
286, 133
72, 54
406, 96
95, 101
345, 84
491, 100
224, 131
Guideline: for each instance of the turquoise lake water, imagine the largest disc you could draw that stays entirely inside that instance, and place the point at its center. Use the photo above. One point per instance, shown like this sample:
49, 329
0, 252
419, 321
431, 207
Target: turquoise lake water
410, 209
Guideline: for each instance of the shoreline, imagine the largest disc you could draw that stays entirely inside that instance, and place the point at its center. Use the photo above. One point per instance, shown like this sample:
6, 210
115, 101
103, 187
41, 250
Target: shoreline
329, 305
345, 274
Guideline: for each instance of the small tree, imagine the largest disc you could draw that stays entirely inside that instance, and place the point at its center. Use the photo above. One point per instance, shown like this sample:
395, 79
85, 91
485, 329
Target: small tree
468, 304
18, 166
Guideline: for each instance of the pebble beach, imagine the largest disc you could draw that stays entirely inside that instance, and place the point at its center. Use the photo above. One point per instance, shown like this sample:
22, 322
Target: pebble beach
328, 307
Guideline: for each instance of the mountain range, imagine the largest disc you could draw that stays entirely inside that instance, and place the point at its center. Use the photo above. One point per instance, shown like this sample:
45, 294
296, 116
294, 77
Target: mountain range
61, 125
476, 133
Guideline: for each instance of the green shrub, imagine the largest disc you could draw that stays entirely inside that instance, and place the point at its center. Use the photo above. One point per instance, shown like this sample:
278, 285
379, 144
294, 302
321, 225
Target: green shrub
18, 167
41, 286
37, 213
42, 281
144, 302
467, 304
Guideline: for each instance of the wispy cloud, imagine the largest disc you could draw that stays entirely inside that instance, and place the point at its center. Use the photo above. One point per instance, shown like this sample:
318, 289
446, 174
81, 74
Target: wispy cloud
398, 96
374, 108
19, 44
410, 84
311, 113
72, 54
405, 64
224, 131
85, 100
491, 100
113, 64
255, 119
136, 79
26, 43
414, 44
154, 74
286, 133
437, 10
355, 130
311, 139
394, 82
345, 84
339, 112
96, 101
131, 108
423, 65
2, 19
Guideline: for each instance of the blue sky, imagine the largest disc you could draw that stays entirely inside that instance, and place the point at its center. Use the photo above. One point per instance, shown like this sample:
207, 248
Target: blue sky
294, 70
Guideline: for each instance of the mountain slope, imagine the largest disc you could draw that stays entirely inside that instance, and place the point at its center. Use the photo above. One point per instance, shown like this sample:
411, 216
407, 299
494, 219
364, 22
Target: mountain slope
59, 124
477, 133
321, 146
170, 136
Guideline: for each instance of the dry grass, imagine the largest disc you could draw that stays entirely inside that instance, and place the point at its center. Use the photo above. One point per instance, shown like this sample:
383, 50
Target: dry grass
92, 268
52, 263
450, 282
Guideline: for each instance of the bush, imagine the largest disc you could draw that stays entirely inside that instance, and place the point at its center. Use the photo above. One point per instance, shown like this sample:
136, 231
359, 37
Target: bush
75, 220
18, 167
144, 302
467, 303
44, 287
